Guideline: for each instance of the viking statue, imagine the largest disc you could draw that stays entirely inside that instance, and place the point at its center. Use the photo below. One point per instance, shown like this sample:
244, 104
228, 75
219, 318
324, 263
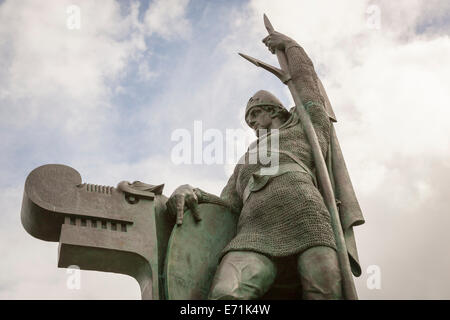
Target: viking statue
278, 230
284, 233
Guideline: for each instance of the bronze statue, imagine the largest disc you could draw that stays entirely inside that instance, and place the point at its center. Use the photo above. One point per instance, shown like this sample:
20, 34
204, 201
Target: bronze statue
276, 231
285, 226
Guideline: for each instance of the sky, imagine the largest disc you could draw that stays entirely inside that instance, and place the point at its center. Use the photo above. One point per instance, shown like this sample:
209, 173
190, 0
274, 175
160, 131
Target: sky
105, 97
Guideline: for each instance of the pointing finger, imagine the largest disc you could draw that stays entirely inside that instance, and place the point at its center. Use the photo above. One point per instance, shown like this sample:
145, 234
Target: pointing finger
171, 207
180, 209
193, 205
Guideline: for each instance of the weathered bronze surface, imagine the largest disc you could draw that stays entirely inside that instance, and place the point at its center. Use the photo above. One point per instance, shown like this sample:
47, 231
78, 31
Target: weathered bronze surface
300, 243
98, 227
194, 250
279, 44
311, 162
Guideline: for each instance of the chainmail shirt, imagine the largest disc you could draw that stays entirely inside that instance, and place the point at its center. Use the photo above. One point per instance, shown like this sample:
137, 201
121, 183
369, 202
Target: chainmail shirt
287, 215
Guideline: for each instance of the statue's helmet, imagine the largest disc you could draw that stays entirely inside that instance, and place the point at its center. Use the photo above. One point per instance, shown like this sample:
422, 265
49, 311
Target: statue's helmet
262, 98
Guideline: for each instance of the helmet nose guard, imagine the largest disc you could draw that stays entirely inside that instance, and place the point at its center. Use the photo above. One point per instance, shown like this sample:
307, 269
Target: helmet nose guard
262, 98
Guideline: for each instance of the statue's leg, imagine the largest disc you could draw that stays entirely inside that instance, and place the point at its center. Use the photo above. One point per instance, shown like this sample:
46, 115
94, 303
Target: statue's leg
243, 275
319, 272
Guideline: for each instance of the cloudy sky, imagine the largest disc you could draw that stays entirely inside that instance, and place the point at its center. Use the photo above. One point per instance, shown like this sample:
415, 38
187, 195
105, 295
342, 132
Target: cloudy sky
106, 98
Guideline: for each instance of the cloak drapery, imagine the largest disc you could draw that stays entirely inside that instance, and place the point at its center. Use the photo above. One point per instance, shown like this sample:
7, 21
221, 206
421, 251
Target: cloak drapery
349, 210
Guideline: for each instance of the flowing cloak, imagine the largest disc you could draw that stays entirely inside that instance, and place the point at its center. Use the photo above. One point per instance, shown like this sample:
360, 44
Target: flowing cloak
310, 88
349, 210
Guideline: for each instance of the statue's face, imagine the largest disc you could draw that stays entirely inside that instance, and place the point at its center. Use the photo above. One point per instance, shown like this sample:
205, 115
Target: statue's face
258, 118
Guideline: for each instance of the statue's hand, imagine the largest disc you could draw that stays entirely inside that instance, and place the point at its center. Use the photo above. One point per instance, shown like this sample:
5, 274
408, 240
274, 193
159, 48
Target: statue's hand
182, 198
277, 41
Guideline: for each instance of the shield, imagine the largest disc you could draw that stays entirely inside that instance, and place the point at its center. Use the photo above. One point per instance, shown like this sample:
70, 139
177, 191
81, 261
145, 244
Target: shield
194, 251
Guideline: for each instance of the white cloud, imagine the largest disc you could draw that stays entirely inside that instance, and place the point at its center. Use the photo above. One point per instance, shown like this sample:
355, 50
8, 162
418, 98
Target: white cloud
388, 86
58, 74
145, 73
167, 18
64, 77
